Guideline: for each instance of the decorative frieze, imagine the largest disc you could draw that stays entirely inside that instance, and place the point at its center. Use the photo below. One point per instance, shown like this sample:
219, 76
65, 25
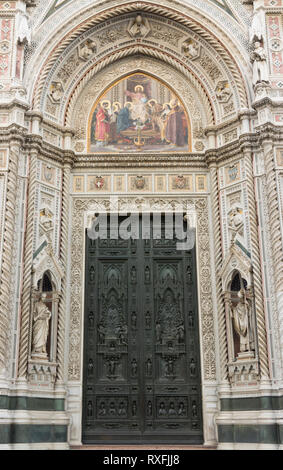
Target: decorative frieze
143, 182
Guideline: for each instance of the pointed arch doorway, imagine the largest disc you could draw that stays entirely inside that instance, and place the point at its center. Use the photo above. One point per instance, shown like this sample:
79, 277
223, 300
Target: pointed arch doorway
142, 380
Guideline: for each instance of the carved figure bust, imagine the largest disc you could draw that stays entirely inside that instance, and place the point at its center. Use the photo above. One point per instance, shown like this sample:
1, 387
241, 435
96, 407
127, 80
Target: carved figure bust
139, 27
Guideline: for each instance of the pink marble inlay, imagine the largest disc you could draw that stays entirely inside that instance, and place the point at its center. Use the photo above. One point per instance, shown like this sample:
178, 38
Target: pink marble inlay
273, 3
277, 63
6, 30
274, 26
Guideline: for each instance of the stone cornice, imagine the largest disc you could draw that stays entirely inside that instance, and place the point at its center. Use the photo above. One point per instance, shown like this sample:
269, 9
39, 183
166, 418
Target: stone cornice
201, 161
268, 131
13, 131
35, 142
14, 103
33, 114
140, 161
245, 113
267, 101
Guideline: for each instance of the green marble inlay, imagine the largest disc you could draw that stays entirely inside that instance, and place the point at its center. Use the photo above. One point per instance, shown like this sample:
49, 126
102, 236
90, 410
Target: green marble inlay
36, 253
252, 403
243, 248
32, 433
31, 403
250, 434
223, 4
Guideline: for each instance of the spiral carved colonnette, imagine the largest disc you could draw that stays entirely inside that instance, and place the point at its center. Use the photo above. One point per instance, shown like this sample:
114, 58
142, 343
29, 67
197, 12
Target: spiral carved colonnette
27, 275
223, 349
63, 256
275, 231
274, 218
7, 253
257, 275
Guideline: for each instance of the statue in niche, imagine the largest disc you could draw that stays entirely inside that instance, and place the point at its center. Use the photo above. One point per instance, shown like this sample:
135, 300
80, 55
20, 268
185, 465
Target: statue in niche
102, 409
170, 366
122, 409
182, 410
149, 408
112, 366
241, 314
181, 334
260, 67
40, 330
158, 332
191, 319
24, 31
189, 275
90, 367
149, 367
134, 408
112, 409
139, 27
134, 320
92, 274
123, 334
134, 275
162, 410
89, 409
134, 367
147, 275
193, 367
147, 319
172, 411
91, 320
194, 410
257, 30
101, 334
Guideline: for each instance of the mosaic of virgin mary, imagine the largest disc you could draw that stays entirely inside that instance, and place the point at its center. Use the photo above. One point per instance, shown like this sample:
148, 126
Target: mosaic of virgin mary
139, 113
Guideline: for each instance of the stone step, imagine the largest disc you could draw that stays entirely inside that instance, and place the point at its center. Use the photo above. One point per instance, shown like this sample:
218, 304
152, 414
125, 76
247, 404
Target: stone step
142, 447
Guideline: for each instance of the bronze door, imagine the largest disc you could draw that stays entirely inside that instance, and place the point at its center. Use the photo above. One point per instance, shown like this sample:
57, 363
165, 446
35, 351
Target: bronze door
142, 379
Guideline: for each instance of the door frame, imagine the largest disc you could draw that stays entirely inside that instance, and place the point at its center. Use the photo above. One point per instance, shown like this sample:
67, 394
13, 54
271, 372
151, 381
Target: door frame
83, 209
197, 336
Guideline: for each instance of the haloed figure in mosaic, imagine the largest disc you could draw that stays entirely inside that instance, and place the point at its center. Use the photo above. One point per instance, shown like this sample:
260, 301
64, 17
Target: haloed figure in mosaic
146, 115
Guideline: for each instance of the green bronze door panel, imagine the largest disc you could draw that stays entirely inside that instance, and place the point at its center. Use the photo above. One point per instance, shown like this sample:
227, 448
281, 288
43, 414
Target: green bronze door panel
141, 343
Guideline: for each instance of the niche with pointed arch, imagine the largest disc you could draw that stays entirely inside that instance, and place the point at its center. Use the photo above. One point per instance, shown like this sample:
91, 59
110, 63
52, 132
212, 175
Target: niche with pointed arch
139, 113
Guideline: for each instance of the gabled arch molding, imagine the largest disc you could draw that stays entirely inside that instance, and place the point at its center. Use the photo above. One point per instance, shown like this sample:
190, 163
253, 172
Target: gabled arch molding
220, 47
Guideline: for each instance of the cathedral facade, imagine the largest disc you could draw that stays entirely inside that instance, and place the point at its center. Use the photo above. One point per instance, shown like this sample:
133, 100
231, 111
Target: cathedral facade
145, 119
